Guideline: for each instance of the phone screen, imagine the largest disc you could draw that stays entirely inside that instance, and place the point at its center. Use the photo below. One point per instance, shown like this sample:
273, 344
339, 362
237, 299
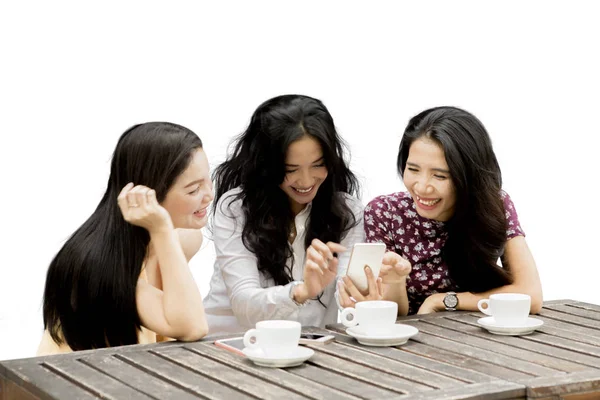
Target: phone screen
237, 343
311, 336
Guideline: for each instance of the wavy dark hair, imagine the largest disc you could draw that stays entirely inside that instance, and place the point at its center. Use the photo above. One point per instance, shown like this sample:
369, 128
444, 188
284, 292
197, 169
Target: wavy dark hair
257, 166
89, 297
477, 230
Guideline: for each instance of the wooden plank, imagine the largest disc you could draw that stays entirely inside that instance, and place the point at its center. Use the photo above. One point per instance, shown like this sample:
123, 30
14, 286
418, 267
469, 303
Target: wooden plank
580, 382
344, 383
548, 356
93, 380
104, 351
38, 380
568, 344
581, 396
511, 346
573, 319
579, 311
226, 375
571, 332
559, 301
426, 362
552, 327
141, 380
587, 306
389, 366
181, 377
11, 391
476, 348
361, 372
496, 390
460, 360
448, 356
281, 377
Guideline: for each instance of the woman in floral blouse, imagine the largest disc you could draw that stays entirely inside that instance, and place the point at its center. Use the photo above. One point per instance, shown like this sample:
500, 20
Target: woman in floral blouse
454, 223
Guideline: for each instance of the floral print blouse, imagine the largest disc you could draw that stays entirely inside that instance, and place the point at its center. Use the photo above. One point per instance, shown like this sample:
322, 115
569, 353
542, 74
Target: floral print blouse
393, 219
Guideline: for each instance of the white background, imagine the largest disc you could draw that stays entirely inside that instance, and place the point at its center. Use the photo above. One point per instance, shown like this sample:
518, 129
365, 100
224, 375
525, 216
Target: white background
74, 76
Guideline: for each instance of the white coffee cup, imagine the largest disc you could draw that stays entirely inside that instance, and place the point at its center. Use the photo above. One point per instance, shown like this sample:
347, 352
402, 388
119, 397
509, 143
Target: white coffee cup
376, 317
508, 309
276, 338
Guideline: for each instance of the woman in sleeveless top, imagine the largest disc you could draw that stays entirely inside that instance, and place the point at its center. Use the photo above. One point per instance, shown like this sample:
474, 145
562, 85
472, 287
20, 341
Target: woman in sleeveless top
122, 277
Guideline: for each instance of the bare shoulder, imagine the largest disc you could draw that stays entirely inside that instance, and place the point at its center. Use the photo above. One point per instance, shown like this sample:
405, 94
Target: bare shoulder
191, 240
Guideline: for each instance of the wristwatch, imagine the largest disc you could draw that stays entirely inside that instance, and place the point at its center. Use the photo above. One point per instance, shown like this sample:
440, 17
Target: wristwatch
451, 301
292, 286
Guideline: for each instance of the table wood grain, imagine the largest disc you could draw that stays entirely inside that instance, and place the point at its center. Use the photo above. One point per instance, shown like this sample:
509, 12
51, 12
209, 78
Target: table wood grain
451, 358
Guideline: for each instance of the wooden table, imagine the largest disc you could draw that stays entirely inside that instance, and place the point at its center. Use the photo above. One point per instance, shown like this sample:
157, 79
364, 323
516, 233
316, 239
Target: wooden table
450, 358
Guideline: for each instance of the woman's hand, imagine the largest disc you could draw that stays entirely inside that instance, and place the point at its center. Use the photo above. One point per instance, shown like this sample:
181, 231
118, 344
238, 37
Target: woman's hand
394, 268
346, 288
139, 207
320, 269
432, 304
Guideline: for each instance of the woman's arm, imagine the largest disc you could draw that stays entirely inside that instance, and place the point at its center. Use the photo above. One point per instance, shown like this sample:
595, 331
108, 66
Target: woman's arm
519, 261
394, 272
395, 269
176, 310
250, 302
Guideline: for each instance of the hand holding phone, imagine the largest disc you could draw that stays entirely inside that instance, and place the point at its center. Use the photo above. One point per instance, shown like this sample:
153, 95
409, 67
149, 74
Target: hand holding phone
364, 254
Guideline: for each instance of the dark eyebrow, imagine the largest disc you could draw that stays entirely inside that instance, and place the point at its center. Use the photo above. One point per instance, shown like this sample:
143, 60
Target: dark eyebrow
444, 171
193, 183
314, 162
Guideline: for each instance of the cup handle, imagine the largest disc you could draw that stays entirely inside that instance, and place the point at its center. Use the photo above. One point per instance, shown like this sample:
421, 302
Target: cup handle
349, 311
251, 333
481, 302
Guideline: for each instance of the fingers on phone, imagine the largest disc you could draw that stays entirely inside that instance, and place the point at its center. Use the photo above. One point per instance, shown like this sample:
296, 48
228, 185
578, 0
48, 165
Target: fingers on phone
344, 297
352, 290
371, 281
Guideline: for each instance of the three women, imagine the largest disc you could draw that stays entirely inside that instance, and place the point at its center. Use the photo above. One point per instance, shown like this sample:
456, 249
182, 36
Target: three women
285, 219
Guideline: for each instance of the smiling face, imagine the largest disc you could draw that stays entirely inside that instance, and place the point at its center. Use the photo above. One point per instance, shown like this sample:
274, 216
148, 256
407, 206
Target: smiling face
304, 172
428, 180
191, 194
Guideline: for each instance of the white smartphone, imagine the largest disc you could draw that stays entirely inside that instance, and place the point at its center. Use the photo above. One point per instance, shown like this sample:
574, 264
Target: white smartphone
235, 345
370, 254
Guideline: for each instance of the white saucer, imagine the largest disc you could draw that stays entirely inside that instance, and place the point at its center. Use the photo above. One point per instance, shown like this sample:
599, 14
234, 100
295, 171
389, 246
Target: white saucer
299, 355
530, 325
398, 335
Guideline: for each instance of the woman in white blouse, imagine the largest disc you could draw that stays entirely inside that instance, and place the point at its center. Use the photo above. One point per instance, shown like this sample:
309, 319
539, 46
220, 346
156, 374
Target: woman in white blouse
285, 220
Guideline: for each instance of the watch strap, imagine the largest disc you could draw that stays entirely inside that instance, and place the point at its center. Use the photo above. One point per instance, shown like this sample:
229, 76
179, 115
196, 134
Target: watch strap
293, 284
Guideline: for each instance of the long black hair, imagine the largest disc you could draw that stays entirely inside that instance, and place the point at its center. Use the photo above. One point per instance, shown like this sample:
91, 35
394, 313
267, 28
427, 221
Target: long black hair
477, 230
89, 297
257, 166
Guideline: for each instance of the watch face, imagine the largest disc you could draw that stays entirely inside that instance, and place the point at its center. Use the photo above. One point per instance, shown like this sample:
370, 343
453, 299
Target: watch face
450, 301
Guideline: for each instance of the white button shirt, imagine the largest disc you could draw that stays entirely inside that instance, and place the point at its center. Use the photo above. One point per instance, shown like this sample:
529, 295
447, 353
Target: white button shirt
240, 295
